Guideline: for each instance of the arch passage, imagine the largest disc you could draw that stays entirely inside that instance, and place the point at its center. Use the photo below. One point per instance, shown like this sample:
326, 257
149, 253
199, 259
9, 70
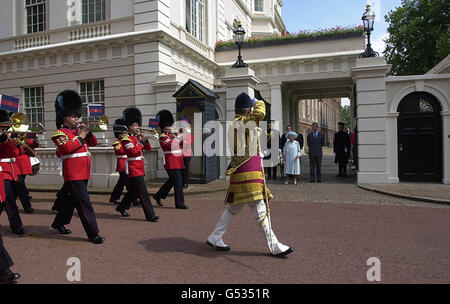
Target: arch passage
419, 138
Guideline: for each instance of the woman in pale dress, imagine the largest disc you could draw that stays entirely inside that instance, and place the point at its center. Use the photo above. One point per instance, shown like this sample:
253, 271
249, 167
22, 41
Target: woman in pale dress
291, 155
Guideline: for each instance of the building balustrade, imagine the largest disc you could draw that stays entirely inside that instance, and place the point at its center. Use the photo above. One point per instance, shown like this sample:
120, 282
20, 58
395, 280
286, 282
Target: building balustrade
31, 41
91, 31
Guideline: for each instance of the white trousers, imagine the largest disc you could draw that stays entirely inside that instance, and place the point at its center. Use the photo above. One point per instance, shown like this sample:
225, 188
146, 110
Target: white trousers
260, 212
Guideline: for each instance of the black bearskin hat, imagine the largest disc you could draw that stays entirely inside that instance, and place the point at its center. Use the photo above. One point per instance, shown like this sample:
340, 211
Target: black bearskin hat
165, 119
132, 115
119, 127
4, 116
67, 103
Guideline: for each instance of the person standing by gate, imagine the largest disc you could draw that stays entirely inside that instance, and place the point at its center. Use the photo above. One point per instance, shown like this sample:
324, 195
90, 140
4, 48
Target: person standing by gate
341, 149
316, 141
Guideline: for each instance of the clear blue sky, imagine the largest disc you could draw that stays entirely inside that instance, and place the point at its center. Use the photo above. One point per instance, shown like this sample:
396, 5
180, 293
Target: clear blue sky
313, 15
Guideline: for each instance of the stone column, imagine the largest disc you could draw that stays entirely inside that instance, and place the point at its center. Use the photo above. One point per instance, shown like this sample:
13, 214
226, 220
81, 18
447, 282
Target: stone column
151, 15
369, 75
446, 147
238, 81
277, 104
391, 141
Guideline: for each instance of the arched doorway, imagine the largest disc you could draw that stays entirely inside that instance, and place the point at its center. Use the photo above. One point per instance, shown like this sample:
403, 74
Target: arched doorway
419, 138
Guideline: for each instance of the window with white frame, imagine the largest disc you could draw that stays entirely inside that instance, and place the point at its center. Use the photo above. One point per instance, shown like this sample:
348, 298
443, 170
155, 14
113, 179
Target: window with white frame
259, 5
93, 10
195, 18
36, 20
34, 104
91, 92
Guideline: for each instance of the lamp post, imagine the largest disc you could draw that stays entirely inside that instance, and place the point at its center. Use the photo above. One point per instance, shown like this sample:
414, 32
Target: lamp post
239, 34
368, 19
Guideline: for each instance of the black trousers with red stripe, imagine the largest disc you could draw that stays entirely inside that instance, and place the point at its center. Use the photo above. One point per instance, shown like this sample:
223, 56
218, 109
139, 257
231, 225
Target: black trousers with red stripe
23, 193
175, 181
5, 259
118, 189
138, 189
79, 199
11, 188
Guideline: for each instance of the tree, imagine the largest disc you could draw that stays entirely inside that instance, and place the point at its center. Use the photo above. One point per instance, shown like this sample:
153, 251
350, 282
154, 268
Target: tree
346, 117
419, 36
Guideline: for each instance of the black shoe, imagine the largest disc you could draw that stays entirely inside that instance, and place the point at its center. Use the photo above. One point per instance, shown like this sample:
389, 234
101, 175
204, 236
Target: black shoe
185, 186
158, 201
311, 181
319, 181
114, 201
122, 212
20, 231
339, 175
285, 253
97, 239
30, 210
62, 229
137, 203
182, 207
8, 277
218, 248
154, 218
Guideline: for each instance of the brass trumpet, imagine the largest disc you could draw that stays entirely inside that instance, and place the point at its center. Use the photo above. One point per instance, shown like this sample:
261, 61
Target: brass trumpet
102, 123
19, 123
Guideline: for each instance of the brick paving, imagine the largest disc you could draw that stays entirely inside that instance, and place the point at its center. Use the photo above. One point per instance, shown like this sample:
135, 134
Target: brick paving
334, 227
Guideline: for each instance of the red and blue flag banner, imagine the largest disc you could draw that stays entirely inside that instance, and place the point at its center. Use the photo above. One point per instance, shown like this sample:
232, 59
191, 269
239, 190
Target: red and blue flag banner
186, 119
153, 123
95, 110
9, 103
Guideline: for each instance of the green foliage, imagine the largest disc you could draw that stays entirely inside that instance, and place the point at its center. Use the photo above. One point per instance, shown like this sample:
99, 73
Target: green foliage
346, 116
297, 36
419, 36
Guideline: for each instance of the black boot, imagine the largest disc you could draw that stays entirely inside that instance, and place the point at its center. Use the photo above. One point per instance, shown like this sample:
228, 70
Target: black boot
62, 229
97, 239
8, 277
122, 212
158, 201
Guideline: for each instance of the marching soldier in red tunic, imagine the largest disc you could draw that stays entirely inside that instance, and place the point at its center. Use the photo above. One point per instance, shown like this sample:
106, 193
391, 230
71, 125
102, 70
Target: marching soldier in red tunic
135, 167
6, 275
121, 155
171, 146
8, 154
73, 141
24, 166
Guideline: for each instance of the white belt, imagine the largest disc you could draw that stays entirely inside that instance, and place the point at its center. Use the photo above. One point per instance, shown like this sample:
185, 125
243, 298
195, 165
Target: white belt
75, 155
127, 169
173, 152
7, 160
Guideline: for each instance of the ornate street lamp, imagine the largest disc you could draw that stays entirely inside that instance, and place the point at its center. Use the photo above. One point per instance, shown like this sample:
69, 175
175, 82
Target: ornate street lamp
239, 35
368, 19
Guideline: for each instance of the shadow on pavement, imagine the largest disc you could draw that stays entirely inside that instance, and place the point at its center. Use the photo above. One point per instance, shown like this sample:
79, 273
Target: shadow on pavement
184, 245
44, 232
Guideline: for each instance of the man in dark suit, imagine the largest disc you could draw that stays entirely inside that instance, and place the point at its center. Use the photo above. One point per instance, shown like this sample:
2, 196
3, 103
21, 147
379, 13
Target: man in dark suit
316, 140
300, 139
341, 150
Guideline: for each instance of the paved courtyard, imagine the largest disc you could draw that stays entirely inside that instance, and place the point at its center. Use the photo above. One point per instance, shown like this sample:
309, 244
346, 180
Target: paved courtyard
334, 227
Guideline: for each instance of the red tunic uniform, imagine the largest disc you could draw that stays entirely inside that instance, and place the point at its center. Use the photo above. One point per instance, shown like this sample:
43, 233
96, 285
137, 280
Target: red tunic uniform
8, 154
74, 151
188, 141
173, 154
2, 187
23, 163
121, 155
135, 155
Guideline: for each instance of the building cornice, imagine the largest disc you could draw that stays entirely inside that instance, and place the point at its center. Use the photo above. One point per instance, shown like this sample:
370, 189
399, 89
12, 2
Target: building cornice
295, 58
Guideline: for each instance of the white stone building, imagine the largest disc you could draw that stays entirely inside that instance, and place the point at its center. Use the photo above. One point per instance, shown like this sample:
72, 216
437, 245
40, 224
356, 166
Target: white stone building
140, 52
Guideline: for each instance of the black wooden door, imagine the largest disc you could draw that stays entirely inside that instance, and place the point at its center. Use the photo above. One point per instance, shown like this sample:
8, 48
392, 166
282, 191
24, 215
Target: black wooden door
419, 139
